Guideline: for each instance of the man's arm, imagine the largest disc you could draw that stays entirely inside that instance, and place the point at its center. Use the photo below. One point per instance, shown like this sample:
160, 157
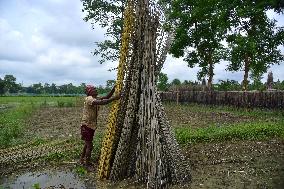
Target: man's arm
105, 101
109, 94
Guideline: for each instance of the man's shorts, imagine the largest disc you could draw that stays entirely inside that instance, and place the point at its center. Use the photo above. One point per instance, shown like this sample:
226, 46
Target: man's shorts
87, 133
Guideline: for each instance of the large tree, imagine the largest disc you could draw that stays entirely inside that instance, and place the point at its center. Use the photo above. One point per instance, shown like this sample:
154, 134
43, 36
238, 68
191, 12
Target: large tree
162, 83
10, 84
200, 29
2, 86
108, 15
254, 39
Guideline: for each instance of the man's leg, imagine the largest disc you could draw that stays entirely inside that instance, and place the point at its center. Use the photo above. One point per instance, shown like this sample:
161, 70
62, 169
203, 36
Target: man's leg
89, 152
83, 155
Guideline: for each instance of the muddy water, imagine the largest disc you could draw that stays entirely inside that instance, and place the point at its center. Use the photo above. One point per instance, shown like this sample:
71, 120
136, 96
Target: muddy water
47, 179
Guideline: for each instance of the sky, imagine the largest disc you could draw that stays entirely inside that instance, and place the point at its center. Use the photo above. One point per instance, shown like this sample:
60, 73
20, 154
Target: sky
47, 41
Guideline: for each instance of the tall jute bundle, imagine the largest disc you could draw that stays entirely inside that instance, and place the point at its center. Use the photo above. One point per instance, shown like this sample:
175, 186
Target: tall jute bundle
143, 145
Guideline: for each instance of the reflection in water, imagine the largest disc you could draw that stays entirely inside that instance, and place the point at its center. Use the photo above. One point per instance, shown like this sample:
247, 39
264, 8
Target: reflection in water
47, 179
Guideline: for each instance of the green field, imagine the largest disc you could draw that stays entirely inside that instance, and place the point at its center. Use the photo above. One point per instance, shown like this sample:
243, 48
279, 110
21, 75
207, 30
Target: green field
15, 110
258, 124
217, 140
221, 123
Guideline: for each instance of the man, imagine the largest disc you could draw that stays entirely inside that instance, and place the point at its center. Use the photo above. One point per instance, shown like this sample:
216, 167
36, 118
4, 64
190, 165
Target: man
89, 119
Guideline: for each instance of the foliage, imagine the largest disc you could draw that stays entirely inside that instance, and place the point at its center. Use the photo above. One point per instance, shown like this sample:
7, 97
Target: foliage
201, 26
257, 124
12, 123
9, 85
162, 82
17, 109
55, 156
243, 131
109, 15
80, 170
110, 84
228, 85
279, 85
253, 39
36, 186
176, 82
2, 86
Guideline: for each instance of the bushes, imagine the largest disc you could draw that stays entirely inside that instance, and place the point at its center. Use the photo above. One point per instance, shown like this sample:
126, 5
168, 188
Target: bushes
17, 109
12, 122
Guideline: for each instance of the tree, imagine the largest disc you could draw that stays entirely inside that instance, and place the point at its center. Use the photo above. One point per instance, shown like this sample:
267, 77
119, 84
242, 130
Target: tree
201, 26
53, 88
256, 84
162, 82
253, 40
228, 85
2, 86
10, 84
176, 82
46, 88
279, 85
37, 88
82, 88
110, 84
109, 15
269, 82
30, 89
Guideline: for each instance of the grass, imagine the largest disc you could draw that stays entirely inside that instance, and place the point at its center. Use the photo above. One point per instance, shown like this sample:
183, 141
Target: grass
264, 124
15, 110
251, 131
12, 123
40, 101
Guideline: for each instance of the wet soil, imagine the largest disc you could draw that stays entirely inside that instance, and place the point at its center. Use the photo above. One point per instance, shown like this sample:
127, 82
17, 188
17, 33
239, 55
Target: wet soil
237, 164
230, 164
60, 123
47, 179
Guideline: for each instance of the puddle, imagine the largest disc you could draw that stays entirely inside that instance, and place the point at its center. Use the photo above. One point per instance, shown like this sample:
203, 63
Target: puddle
46, 179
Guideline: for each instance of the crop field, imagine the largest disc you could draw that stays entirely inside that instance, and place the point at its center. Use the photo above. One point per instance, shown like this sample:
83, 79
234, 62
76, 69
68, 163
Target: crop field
225, 147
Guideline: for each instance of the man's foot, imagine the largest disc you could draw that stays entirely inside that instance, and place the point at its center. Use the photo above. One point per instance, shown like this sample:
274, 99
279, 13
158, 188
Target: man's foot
82, 161
90, 167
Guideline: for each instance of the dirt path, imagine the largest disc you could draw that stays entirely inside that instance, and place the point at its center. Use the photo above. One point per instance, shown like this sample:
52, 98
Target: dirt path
232, 164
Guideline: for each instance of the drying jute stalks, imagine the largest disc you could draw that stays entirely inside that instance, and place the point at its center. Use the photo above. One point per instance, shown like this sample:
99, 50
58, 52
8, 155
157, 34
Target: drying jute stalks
139, 142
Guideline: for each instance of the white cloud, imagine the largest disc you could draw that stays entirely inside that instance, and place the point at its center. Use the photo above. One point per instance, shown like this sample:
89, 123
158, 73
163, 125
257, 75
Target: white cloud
48, 41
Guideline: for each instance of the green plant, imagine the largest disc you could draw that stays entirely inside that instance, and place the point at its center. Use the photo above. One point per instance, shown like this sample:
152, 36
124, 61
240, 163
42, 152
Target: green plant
44, 103
38, 141
69, 104
60, 103
55, 156
36, 186
243, 131
80, 170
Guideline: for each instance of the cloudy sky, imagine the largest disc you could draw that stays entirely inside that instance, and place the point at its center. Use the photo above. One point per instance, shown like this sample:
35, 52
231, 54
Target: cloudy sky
48, 41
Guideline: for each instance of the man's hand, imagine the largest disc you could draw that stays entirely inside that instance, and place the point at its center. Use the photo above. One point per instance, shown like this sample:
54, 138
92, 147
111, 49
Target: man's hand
113, 88
118, 96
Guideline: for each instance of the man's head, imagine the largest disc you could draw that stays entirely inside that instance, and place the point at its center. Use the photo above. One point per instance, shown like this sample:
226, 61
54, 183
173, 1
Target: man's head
91, 91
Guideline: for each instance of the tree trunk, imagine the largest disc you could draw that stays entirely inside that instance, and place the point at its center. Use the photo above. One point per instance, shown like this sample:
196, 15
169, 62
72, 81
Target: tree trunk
246, 69
210, 72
